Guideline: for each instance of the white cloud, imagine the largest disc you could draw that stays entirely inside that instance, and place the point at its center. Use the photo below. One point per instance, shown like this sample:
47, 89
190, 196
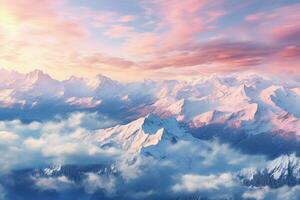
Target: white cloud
186, 167
94, 182
258, 194
282, 193
53, 183
8, 137
31, 143
53, 142
194, 182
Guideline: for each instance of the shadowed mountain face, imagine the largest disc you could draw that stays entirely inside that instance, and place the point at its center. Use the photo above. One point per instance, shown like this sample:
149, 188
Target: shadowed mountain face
229, 137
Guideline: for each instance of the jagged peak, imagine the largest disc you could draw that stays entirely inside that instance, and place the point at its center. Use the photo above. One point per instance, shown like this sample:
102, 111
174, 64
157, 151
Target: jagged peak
136, 135
271, 90
52, 169
75, 78
36, 72
284, 162
37, 75
100, 80
149, 124
102, 77
243, 90
277, 169
180, 103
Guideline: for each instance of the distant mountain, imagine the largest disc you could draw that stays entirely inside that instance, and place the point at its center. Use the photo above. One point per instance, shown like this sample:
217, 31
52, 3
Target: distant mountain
246, 105
284, 170
249, 104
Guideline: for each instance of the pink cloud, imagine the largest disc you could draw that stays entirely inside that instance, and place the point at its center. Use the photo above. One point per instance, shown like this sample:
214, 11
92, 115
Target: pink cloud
290, 51
287, 32
215, 15
227, 55
182, 19
98, 59
119, 31
126, 18
142, 44
181, 23
97, 19
280, 25
255, 17
101, 18
50, 32
178, 25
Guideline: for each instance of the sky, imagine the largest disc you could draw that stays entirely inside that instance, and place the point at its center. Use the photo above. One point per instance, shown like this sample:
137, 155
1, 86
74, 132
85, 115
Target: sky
131, 40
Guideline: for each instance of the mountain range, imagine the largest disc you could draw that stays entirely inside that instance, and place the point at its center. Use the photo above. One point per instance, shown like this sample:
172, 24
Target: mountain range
238, 133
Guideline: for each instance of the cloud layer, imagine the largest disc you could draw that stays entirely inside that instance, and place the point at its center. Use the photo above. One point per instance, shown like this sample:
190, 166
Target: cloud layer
66, 38
65, 159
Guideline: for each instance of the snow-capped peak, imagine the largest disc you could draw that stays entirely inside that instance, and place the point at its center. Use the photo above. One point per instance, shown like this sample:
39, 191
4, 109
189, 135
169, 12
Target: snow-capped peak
37, 75
37, 83
141, 133
284, 170
100, 80
283, 165
53, 169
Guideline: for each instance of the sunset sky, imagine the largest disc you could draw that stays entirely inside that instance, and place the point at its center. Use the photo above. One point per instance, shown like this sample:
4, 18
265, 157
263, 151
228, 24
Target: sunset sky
136, 39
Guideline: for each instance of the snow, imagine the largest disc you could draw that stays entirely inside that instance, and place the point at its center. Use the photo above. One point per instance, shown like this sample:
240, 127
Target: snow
86, 102
6, 98
281, 169
248, 173
282, 166
245, 101
141, 133
50, 170
288, 100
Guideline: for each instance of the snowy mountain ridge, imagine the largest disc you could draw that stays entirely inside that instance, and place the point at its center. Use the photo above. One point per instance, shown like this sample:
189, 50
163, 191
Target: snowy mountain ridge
250, 102
284, 170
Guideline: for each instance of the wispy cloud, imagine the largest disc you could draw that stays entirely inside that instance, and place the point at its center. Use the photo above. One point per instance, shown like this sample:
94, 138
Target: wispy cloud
65, 38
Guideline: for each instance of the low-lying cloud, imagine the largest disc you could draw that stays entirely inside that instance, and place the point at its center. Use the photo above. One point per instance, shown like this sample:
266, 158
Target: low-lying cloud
55, 142
185, 168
